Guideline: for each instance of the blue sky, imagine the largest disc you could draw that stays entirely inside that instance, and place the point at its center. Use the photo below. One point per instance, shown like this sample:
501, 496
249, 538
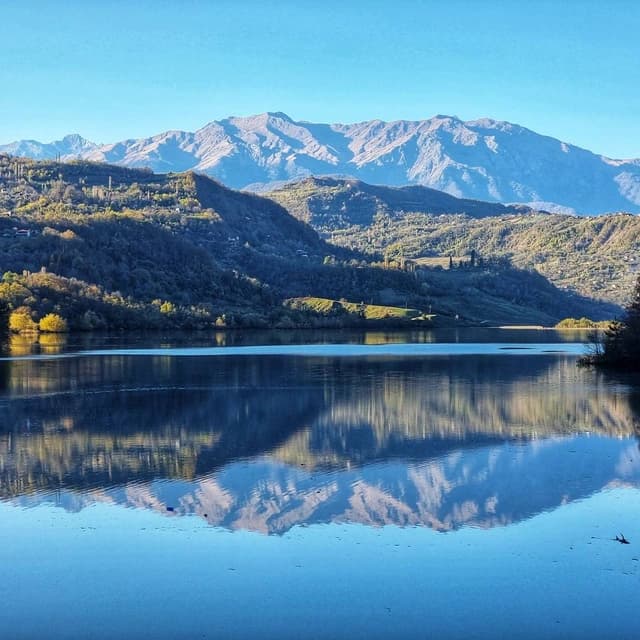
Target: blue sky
114, 69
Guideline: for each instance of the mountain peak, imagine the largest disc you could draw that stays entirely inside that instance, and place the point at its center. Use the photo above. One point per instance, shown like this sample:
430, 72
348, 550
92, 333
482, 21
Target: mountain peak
74, 138
75, 143
280, 115
482, 159
259, 118
444, 116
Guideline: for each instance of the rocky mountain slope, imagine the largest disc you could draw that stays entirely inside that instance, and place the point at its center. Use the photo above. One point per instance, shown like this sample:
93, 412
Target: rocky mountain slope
71, 146
480, 159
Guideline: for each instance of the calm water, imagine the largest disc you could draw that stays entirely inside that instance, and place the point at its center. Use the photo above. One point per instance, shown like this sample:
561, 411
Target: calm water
317, 485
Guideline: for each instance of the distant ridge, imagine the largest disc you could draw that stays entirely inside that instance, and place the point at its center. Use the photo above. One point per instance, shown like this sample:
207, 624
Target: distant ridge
480, 159
328, 203
71, 146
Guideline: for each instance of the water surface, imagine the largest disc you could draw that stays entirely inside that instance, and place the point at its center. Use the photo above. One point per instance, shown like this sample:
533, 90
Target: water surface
439, 487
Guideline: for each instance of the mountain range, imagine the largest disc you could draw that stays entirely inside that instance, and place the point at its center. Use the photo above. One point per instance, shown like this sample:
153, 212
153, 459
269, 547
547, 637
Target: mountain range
479, 159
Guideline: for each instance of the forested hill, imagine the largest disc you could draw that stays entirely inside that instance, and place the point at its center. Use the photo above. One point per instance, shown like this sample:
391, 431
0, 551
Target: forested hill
106, 246
596, 256
226, 216
329, 203
110, 246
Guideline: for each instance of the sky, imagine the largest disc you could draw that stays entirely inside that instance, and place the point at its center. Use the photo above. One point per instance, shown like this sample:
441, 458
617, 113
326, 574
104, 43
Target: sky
111, 69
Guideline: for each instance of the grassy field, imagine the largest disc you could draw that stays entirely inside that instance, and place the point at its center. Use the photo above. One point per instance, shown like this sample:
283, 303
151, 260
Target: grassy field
439, 261
326, 306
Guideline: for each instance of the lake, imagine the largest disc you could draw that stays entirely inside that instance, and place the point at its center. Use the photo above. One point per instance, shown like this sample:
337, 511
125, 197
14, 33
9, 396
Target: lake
458, 484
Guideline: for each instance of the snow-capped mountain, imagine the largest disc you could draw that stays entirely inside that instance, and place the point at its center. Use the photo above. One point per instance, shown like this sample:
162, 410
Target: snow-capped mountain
481, 159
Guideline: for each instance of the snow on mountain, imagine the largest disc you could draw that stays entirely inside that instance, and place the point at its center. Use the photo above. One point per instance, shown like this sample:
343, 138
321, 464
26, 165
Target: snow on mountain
481, 159
71, 146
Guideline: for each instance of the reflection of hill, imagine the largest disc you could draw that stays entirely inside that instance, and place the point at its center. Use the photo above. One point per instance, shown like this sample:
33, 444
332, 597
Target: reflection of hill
94, 422
410, 416
416, 410
114, 437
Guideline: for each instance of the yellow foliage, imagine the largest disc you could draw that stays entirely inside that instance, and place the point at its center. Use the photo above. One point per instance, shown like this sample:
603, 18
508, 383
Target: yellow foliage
53, 323
21, 322
52, 343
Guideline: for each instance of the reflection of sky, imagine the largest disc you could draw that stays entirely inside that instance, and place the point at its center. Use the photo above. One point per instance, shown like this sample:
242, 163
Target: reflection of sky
629, 462
557, 574
338, 350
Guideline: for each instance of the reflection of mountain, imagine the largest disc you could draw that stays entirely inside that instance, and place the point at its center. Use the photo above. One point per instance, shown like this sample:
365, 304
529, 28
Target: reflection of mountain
436, 441
487, 486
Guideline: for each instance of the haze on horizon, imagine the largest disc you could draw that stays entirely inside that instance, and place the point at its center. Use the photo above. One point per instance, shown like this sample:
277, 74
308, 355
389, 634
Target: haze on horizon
114, 70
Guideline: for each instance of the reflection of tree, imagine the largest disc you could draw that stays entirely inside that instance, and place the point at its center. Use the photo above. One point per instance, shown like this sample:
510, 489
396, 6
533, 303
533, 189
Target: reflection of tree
111, 438
20, 344
5, 374
103, 421
418, 410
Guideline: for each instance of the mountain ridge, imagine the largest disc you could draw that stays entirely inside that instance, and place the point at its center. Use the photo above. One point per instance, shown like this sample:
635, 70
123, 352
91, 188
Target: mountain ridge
482, 159
334, 203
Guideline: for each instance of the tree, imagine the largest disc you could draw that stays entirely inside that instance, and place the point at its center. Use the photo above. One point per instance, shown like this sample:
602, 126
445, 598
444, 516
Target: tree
20, 321
167, 308
53, 323
620, 347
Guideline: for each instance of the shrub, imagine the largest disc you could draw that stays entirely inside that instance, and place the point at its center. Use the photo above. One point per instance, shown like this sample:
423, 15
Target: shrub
20, 321
53, 323
167, 308
92, 320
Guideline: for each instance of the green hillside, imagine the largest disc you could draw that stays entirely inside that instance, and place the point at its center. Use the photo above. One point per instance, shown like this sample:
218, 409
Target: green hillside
329, 203
339, 308
597, 257
109, 247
